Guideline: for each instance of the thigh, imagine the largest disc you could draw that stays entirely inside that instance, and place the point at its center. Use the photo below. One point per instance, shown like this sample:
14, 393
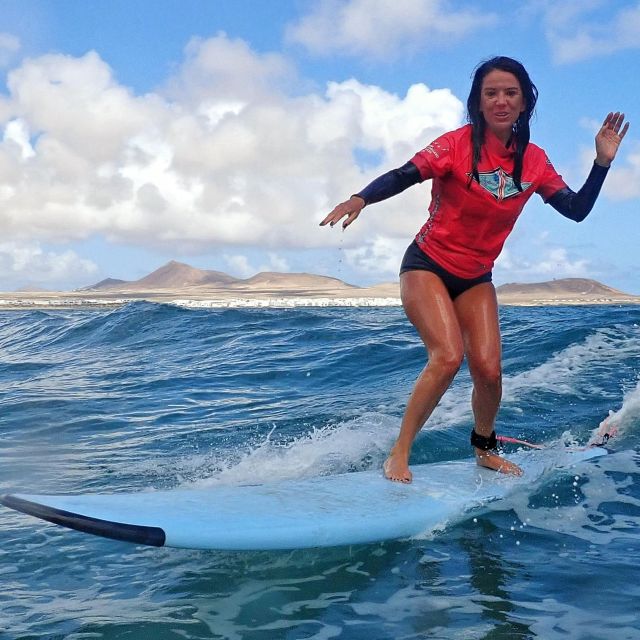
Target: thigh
430, 309
477, 313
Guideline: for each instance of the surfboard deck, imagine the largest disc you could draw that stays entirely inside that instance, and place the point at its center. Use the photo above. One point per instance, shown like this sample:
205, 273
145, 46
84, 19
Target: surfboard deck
351, 508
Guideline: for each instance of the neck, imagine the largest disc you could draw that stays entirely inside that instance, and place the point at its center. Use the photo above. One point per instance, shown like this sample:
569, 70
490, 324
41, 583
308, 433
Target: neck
503, 135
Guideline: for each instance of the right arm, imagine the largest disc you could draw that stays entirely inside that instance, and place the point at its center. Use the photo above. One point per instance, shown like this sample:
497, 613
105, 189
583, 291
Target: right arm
383, 187
576, 206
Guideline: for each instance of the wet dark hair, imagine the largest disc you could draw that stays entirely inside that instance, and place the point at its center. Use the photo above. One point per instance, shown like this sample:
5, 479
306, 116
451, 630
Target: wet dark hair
521, 132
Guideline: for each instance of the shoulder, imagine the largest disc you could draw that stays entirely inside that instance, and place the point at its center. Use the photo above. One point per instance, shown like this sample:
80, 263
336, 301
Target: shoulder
449, 141
457, 136
535, 152
540, 168
462, 132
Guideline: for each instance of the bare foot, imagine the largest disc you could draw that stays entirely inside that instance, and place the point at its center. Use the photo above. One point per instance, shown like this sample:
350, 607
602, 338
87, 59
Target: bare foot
396, 468
495, 462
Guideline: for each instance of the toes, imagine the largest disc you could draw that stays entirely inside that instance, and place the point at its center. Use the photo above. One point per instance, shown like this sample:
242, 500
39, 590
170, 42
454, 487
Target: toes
391, 474
401, 479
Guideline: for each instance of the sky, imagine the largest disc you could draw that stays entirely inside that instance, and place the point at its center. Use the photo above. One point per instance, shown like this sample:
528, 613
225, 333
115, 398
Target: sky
219, 133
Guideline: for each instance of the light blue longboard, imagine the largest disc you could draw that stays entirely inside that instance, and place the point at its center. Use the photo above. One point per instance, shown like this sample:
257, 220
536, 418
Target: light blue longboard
351, 508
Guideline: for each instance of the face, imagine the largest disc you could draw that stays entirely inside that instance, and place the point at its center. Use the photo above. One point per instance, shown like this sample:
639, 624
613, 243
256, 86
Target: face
501, 102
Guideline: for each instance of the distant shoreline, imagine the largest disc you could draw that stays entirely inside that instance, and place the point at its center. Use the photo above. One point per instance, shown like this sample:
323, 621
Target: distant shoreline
80, 300
186, 286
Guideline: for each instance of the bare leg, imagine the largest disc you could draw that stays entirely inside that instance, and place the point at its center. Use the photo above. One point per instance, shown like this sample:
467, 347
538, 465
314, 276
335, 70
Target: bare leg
430, 309
477, 311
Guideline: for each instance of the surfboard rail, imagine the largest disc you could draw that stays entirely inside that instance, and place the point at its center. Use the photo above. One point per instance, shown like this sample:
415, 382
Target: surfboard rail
138, 534
321, 511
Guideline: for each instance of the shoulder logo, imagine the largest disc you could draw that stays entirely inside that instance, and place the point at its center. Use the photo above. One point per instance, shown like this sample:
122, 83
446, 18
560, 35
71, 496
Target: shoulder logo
436, 149
500, 184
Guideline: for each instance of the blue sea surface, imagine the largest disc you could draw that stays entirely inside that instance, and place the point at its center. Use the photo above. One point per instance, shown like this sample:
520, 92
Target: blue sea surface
156, 396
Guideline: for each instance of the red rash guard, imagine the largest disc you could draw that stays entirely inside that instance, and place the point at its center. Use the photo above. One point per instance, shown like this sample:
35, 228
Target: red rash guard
469, 223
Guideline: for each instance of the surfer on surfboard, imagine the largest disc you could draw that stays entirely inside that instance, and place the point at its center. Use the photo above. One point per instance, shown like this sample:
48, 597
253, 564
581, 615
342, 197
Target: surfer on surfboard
482, 175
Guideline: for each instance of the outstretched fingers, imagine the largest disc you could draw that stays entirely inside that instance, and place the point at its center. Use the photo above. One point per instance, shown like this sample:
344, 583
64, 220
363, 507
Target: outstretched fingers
349, 210
623, 133
335, 216
614, 122
351, 216
609, 137
338, 214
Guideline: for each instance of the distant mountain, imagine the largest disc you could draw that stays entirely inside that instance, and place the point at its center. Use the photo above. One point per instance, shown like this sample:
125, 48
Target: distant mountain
560, 287
275, 279
107, 283
177, 275
31, 289
173, 275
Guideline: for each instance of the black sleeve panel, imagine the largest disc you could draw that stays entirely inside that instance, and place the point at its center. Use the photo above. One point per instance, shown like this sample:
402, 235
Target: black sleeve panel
576, 206
391, 183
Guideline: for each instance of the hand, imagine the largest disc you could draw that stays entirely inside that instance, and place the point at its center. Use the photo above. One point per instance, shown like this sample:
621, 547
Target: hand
609, 137
351, 208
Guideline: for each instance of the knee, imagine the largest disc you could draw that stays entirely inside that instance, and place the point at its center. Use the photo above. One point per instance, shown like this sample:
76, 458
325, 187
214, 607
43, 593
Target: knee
446, 364
487, 373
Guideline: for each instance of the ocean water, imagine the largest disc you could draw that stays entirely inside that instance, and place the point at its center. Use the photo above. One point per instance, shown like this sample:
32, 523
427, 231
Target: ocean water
156, 396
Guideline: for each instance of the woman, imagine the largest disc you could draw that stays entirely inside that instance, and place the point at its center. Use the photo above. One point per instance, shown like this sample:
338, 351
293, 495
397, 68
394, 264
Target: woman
483, 174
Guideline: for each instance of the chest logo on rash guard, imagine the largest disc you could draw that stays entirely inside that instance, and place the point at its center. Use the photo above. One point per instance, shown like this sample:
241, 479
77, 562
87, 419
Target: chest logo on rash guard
500, 184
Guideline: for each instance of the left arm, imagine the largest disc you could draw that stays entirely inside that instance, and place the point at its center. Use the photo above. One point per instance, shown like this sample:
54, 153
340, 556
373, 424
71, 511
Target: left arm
576, 206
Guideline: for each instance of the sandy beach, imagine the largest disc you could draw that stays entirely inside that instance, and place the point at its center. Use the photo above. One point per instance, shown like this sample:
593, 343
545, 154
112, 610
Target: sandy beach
299, 294
183, 285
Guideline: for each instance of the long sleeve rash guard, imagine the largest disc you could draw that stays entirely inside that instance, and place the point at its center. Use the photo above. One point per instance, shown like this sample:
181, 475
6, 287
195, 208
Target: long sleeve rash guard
469, 222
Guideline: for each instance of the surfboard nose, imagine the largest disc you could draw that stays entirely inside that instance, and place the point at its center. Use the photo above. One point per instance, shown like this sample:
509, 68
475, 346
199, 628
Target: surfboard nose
138, 534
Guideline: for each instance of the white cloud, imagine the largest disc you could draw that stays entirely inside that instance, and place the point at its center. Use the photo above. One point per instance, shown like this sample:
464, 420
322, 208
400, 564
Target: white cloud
590, 124
224, 72
623, 181
555, 263
225, 157
381, 28
16, 131
381, 256
241, 267
9, 47
579, 30
276, 263
29, 263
